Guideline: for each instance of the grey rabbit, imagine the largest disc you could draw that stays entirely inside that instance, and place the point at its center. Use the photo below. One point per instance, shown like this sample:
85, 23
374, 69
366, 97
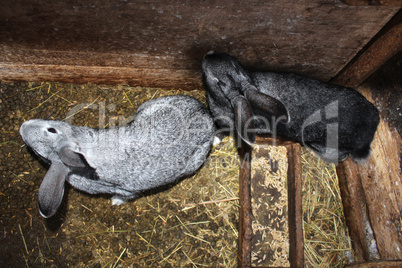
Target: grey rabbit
333, 121
169, 138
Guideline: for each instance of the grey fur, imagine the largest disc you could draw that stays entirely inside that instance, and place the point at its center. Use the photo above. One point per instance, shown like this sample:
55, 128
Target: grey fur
333, 121
169, 138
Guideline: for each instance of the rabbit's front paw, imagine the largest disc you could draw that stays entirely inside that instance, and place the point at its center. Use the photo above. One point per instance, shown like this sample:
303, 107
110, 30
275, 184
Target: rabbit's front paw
216, 141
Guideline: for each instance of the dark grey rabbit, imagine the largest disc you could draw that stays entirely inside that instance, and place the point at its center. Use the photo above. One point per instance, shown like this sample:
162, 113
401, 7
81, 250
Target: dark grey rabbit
169, 138
334, 121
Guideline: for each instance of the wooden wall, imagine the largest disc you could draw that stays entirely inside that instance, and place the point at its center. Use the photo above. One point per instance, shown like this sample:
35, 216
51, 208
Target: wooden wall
161, 43
372, 191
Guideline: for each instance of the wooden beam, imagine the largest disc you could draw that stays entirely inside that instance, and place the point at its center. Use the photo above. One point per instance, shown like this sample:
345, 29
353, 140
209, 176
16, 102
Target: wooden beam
148, 42
356, 212
295, 219
294, 204
245, 213
396, 3
375, 54
372, 191
376, 264
381, 182
158, 78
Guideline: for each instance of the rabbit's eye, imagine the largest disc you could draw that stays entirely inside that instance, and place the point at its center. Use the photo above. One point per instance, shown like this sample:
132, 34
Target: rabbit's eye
52, 130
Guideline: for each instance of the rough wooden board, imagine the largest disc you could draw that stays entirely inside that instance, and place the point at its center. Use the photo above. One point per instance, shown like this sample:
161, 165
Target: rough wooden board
376, 264
247, 219
382, 184
385, 45
397, 3
158, 78
379, 181
381, 176
372, 198
245, 212
309, 37
356, 212
269, 202
386, 91
296, 237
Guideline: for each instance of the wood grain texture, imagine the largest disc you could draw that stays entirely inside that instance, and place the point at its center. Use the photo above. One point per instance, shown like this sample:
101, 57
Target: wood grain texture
311, 37
383, 47
382, 184
381, 176
376, 264
397, 3
158, 78
296, 237
245, 211
269, 203
294, 192
372, 191
356, 212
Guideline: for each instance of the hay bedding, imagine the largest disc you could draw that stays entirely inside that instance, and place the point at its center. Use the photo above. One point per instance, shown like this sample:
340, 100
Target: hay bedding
326, 239
191, 224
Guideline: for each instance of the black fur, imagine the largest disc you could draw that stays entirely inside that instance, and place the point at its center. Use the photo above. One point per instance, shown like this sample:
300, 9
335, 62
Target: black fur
333, 121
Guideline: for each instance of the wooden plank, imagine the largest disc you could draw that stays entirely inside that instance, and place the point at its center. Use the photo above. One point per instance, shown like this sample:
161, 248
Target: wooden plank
372, 191
356, 213
385, 90
381, 176
296, 238
270, 206
307, 37
376, 264
245, 213
267, 150
382, 184
383, 47
397, 3
159, 78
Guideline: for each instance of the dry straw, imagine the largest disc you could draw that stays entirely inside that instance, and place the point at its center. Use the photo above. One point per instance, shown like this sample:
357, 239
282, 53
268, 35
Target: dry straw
192, 224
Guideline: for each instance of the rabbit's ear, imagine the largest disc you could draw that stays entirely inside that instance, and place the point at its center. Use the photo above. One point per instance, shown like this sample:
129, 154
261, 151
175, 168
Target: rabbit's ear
51, 190
268, 104
72, 158
244, 119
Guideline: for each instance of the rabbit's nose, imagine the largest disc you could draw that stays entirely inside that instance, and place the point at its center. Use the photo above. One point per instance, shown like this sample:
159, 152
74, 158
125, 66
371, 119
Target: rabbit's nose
24, 126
